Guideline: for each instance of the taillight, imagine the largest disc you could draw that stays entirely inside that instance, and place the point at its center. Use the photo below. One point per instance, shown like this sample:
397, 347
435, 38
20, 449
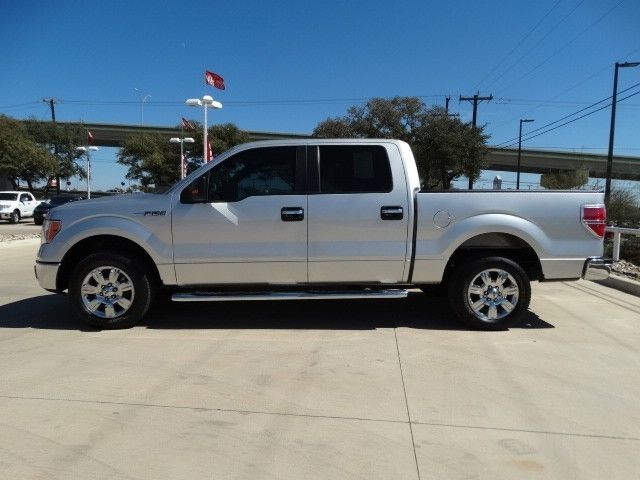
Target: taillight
594, 217
50, 229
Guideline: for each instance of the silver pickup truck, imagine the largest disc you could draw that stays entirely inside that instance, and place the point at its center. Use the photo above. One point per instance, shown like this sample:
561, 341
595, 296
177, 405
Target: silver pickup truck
318, 219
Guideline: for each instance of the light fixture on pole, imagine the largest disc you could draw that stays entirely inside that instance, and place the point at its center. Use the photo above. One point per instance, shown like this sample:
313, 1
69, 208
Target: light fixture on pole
182, 141
612, 127
522, 120
206, 102
87, 150
143, 98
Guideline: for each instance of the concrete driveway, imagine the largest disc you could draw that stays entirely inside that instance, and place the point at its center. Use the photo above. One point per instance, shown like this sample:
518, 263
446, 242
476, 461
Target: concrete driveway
318, 390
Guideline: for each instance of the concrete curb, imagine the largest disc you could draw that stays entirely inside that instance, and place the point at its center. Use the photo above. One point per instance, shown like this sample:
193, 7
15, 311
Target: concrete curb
622, 283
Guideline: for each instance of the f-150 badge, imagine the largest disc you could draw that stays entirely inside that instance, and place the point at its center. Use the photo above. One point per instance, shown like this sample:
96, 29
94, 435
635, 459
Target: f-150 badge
152, 213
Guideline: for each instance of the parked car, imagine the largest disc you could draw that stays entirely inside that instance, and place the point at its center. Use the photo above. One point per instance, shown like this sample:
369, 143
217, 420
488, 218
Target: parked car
318, 219
14, 206
41, 210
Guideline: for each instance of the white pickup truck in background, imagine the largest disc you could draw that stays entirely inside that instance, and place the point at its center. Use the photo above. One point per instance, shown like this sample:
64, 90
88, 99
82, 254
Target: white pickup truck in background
318, 219
14, 206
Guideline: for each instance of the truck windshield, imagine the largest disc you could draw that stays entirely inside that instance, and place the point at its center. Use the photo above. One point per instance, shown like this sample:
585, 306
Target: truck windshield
8, 196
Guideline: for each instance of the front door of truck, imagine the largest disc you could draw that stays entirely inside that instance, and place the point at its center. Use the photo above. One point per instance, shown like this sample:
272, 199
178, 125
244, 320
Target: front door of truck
244, 221
358, 214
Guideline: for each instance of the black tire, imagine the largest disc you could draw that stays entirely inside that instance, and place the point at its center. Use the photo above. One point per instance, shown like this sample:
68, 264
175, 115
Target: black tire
508, 307
38, 221
140, 296
15, 217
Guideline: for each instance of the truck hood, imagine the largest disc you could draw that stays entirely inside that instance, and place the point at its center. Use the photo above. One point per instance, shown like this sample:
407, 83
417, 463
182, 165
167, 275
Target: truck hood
144, 204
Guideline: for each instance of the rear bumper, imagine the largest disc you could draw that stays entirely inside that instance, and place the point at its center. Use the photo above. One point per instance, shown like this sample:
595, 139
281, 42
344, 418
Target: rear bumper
47, 274
597, 268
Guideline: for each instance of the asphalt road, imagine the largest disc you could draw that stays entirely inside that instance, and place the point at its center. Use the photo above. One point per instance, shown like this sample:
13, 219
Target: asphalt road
318, 390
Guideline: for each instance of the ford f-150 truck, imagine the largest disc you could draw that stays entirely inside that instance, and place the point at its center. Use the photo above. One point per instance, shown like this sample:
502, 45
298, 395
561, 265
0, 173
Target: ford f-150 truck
318, 219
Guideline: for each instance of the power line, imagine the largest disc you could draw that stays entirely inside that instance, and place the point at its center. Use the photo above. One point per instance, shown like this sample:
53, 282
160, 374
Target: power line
572, 87
527, 35
585, 30
575, 119
528, 52
511, 140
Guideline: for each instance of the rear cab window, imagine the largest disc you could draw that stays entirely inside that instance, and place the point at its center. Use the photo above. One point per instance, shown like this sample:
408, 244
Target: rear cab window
354, 169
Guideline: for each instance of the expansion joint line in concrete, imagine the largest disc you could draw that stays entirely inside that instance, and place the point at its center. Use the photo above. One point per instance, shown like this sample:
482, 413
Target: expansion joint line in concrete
406, 403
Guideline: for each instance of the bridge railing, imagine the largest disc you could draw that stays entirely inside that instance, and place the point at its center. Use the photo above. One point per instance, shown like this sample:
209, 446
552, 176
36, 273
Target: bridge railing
617, 234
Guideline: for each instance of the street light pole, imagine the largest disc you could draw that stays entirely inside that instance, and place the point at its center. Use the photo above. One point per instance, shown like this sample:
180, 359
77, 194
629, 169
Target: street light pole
87, 150
206, 102
182, 141
143, 98
522, 120
612, 127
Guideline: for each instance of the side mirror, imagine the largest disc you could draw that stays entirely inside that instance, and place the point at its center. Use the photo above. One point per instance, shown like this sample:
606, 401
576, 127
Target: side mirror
196, 192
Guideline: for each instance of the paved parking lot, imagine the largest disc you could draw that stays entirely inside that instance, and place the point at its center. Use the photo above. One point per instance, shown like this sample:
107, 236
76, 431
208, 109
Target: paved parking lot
318, 390
25, 226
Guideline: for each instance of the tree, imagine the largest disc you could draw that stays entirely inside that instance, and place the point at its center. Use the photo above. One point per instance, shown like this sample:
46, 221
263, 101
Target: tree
444, 147
20, 156
623, 208
564, 180
61, 140
225, 136
447, 149
153, 160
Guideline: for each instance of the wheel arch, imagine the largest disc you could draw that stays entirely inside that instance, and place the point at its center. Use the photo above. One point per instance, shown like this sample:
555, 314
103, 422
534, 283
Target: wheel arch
103, 243
496, 244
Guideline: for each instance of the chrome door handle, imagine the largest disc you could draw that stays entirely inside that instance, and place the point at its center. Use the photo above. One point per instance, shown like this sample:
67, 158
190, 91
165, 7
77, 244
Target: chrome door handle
391, 213
292, 214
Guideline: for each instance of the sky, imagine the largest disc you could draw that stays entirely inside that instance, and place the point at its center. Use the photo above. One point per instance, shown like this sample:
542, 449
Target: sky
288, 65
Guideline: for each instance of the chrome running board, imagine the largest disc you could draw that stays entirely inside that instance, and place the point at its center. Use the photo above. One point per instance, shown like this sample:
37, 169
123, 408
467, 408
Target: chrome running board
311, 295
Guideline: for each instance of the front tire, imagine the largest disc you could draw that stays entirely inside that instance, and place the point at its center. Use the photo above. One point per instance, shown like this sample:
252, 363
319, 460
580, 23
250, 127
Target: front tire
110, 291
15, 217
490, 293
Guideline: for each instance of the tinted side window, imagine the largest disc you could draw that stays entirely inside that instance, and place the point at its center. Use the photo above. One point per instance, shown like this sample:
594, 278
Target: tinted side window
256, 172
25, 198
354, 169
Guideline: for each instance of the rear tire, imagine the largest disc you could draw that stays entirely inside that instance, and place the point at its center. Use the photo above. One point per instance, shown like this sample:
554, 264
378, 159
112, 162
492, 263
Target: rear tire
489, 293
110, 291
15, 217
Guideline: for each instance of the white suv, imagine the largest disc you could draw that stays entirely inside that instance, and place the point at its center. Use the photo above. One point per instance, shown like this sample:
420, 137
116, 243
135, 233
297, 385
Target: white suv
17, 205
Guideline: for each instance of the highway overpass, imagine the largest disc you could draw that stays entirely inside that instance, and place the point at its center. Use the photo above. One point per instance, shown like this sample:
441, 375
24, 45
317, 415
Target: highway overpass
503, 159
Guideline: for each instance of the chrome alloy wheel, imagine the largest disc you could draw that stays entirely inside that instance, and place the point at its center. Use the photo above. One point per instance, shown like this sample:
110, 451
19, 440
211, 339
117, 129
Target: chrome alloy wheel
493, 294
107, 292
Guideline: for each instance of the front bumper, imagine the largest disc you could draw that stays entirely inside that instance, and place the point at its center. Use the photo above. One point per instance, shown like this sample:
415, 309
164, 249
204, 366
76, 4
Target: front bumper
47, 273
597, 268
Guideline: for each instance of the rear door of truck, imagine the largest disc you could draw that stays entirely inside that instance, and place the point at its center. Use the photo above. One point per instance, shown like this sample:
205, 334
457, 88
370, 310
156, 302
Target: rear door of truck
358, 213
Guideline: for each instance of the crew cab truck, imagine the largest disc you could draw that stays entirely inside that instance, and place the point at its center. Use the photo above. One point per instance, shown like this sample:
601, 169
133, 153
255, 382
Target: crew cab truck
318, 219
15, 206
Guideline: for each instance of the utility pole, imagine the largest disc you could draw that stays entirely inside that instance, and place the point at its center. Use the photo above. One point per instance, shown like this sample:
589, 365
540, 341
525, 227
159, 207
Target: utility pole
475, 100
446, 104
52, 102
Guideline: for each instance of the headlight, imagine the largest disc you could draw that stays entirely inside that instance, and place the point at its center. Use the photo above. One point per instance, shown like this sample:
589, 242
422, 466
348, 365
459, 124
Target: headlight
50, 229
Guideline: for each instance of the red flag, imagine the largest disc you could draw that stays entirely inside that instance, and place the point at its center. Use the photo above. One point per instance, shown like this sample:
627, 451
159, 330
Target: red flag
187, 124
213, 79
209, 152
89, 137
